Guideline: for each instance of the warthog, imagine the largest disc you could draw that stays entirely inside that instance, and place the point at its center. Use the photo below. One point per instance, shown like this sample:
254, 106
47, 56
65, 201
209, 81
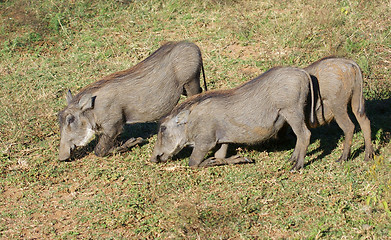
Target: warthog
337, 82
143, 93
249, 113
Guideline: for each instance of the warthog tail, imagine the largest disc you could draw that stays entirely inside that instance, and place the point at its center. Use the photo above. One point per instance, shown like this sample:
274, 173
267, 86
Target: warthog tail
312, 116
203, 74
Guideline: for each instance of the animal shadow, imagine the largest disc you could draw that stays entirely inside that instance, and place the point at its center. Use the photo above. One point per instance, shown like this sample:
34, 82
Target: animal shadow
379, 112
143, 130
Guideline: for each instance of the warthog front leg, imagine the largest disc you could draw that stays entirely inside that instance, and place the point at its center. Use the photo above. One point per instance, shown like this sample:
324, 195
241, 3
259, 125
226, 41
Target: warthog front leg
222, 152
201, 148
107, 140
104, 146
220, 159
128, 144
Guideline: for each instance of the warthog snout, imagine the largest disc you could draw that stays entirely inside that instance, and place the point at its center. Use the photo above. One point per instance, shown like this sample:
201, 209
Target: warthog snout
159, 158
65, 152
155, 159
64, 156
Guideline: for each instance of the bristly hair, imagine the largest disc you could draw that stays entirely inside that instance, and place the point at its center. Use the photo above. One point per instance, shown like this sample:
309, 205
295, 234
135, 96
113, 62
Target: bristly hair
137, 70
196, 99
322, 59
191, 101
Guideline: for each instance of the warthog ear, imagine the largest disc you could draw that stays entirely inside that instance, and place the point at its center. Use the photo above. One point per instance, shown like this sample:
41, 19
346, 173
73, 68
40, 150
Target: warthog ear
182, 117
87, 102
69, 96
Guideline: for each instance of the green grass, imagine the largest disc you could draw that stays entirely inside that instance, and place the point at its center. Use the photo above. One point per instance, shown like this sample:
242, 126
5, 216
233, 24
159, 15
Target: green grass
47, 47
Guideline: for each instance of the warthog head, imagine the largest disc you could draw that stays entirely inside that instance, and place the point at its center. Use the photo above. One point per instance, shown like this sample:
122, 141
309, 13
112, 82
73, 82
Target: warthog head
171, 137
75, 127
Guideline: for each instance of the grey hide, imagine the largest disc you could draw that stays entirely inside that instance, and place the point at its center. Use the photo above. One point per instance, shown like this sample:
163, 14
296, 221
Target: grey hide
143, 93
249, 113
338, 82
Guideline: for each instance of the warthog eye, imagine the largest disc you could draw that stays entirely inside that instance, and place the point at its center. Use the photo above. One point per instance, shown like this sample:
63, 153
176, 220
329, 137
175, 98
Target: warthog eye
70, 119
163, 128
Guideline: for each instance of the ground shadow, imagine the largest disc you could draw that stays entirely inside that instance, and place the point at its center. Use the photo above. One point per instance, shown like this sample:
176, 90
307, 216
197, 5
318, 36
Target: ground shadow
81, 152
143, 130
379, 112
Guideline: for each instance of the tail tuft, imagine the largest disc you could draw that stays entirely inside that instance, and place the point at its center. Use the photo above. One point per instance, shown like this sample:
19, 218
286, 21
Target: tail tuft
203, 74
312, 92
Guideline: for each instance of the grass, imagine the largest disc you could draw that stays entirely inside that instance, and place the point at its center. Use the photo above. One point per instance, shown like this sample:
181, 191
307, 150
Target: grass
48, 47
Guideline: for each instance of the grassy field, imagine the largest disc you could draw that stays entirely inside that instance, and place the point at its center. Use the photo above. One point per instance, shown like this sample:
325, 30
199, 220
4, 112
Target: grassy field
47, 47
